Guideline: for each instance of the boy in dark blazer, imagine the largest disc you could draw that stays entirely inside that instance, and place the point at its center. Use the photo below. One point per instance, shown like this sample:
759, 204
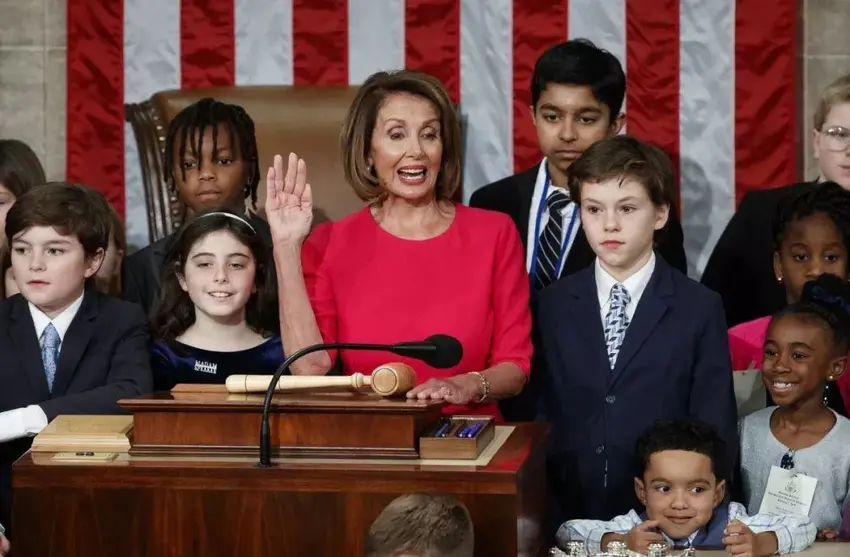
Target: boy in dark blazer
577, 92
627, 340
66, 348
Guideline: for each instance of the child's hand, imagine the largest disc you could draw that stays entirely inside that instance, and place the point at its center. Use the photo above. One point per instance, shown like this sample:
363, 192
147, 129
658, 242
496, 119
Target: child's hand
741, 541
827, 535
639, 537
4, 546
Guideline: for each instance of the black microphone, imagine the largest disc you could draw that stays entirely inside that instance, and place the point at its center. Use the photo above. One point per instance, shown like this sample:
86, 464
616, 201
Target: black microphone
440, 351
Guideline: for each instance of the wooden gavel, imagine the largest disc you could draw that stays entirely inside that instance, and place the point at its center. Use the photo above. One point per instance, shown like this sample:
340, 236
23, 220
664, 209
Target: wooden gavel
386, 380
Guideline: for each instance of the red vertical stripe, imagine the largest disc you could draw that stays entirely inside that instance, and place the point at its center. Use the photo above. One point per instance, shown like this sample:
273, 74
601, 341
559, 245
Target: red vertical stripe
95, 114
207, 50
320, 42
765, 94
652, 74
537, 26
432, 41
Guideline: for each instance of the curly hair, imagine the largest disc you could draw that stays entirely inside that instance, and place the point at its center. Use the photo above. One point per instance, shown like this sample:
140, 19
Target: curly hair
828, 198
826, 301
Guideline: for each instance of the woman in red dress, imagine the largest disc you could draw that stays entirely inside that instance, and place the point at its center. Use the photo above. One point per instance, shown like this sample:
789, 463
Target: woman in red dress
410, 264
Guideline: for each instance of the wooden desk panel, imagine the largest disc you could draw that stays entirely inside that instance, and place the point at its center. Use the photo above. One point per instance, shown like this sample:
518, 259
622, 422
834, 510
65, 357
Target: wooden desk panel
181, 508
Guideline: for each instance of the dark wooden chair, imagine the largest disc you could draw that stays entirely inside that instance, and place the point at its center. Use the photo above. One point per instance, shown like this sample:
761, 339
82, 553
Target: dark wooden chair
303, 119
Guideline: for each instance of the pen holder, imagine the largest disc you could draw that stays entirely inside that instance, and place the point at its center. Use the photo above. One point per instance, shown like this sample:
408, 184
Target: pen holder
457, 438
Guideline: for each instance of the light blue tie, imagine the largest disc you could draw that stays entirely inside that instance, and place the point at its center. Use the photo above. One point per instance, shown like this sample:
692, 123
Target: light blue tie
616, 322
50, 353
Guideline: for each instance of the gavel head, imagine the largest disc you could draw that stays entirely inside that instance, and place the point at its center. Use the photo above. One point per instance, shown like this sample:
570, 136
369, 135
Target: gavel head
393, 379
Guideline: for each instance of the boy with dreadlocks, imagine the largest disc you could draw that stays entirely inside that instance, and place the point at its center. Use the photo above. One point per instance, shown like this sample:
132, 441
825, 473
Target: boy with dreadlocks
212, 152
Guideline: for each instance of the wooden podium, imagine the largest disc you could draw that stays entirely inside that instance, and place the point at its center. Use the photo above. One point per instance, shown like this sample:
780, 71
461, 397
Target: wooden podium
190, 484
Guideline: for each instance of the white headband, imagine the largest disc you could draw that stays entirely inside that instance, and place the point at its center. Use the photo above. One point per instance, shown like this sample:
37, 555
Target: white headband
232, 216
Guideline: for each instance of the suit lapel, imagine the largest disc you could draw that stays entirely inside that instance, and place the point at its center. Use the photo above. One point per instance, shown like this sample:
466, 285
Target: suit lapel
580, 255
525, 190
22, 333
586, 317
650, 309
75, 342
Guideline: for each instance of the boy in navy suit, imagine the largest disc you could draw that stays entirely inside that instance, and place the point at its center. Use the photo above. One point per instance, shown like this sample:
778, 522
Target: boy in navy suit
66, 348
628, 340
577, 92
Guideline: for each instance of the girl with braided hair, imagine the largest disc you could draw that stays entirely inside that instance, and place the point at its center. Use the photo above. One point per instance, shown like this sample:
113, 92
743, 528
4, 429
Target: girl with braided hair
811, 237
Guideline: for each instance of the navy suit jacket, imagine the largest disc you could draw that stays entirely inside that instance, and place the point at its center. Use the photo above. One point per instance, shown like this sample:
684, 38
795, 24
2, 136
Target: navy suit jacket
103, 358
674, 363
512, 196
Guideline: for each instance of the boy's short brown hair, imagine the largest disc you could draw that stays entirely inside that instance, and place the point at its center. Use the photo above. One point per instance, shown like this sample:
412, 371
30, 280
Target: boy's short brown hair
837, 92
356, 136
422, 525
71, 209
622, 156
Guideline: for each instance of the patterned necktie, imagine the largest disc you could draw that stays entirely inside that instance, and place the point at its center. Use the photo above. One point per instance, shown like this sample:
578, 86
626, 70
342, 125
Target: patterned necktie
616, 321
50, 353
549, 243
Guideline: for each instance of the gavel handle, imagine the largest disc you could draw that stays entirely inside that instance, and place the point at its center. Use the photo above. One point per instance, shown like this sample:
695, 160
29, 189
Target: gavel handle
260, 383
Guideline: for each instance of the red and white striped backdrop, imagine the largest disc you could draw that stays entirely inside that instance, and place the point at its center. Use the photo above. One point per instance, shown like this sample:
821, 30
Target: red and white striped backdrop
713, 82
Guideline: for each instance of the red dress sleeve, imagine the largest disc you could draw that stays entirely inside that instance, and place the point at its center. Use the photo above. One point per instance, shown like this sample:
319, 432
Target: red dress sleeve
315, 255
511, 310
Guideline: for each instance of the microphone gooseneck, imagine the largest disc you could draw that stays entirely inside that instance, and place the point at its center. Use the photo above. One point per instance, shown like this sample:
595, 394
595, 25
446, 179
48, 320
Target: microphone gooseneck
440, 351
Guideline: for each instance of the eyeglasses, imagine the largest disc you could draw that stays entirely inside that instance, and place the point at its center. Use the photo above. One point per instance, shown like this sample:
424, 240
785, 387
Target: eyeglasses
787, 462
836, 138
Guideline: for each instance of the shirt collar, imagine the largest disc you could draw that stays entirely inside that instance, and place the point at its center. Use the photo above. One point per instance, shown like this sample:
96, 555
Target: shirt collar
634, 285
61, 322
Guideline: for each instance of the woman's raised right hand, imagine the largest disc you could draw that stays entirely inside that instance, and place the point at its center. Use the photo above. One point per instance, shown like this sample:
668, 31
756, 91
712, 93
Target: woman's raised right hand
289, 200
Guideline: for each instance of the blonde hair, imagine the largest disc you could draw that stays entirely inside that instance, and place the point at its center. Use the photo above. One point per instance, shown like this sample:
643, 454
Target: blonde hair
356, 136
837, 92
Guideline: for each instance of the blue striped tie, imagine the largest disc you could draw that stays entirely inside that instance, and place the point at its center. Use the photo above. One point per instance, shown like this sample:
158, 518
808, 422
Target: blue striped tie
616, 322
50, 353
549, 246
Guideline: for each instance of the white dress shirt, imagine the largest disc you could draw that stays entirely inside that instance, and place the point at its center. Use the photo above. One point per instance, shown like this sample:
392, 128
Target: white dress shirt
793, 533
567, 214
634, 285
28, 421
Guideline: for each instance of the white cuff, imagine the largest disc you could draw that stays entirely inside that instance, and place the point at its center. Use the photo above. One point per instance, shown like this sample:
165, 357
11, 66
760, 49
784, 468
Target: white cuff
21, 422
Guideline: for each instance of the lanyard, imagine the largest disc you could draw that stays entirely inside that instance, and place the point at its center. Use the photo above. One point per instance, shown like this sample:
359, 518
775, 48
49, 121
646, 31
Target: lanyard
564, 241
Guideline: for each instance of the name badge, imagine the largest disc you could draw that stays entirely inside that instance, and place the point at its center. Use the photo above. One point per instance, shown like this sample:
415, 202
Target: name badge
788, 493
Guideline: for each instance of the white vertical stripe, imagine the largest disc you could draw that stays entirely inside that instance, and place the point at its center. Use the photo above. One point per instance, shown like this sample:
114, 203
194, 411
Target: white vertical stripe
486, 91
601, 21
151, 64
375, 37
706, 124
263, 42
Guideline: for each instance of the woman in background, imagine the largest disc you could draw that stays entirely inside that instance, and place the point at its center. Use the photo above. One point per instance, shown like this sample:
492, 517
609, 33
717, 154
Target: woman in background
20, 170
108, 277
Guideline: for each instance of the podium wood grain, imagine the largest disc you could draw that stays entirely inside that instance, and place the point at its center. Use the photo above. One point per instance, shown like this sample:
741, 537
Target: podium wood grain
323, 425
181, 507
